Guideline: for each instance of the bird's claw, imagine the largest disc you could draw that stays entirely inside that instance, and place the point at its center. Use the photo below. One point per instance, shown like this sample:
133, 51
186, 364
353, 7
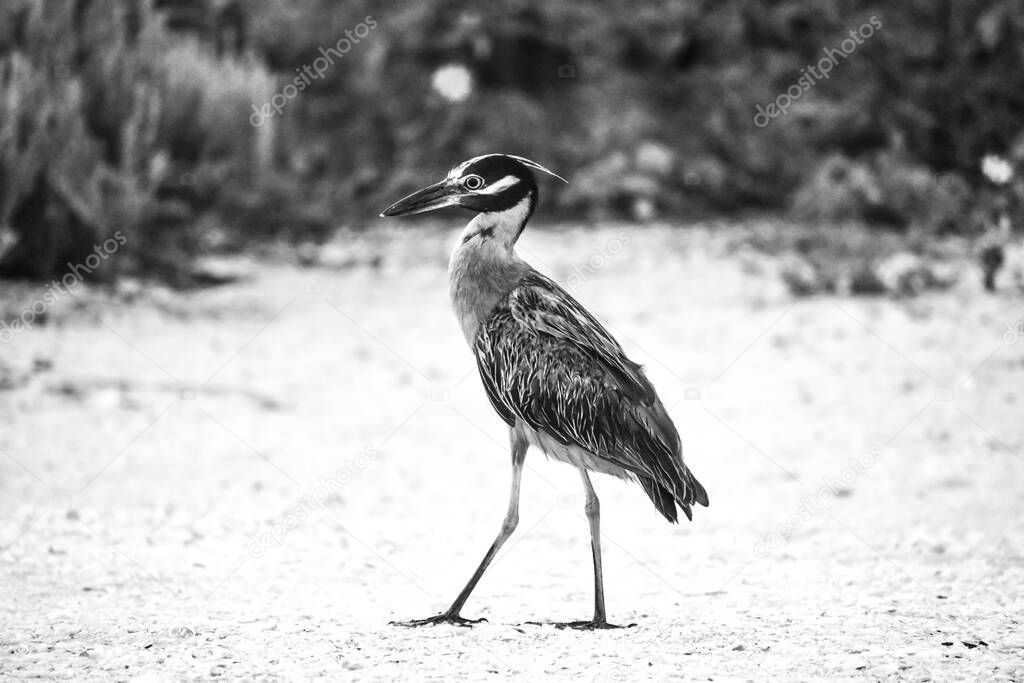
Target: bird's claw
445, 618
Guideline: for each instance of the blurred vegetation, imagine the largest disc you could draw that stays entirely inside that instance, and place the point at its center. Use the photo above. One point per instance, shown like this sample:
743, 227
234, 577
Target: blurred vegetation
139, 116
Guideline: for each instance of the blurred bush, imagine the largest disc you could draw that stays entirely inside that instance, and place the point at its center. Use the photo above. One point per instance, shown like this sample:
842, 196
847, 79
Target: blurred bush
138, 116
884, 189
109, 123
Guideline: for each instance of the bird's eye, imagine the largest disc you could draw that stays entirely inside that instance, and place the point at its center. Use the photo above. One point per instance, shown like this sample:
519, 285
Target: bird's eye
473, 182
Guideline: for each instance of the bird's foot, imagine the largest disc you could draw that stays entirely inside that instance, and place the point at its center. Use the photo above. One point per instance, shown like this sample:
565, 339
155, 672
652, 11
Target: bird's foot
590, 625
445, 618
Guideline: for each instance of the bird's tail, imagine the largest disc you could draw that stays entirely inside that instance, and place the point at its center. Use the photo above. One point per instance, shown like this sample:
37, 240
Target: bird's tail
692, 492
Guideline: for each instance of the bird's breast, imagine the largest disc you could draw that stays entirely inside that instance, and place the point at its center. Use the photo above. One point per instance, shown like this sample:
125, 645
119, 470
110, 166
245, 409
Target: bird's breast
480, 276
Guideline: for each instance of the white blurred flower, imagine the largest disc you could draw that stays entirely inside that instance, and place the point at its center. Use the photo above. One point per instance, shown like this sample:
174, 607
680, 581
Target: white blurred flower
996, 169
453, 82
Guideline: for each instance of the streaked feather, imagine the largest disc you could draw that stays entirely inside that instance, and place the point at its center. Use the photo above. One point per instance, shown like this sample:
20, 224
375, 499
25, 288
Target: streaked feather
546, 361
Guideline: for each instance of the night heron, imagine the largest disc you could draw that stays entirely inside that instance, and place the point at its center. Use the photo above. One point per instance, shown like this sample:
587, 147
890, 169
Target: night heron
550, 369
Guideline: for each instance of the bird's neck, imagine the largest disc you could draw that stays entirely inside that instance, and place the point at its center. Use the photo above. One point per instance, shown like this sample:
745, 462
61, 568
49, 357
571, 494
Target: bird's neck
484, 266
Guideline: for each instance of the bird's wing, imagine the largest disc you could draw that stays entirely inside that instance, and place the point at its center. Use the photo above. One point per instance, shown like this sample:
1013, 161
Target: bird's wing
542, 306
547, 361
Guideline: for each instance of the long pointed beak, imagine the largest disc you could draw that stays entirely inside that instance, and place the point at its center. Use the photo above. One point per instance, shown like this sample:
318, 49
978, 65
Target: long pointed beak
436, 196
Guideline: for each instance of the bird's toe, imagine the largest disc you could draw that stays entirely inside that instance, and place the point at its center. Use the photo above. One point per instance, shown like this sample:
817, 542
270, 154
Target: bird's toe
588, 625
445, 618
592, 625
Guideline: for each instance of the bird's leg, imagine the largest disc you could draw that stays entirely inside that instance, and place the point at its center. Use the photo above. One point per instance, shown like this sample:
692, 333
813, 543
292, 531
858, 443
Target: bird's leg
593, 509
452, 616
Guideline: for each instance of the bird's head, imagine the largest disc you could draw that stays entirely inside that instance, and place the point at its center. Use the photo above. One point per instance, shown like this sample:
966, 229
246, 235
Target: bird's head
486, 184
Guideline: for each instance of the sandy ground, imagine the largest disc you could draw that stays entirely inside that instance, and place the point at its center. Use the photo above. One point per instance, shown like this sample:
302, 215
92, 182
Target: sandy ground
251, 481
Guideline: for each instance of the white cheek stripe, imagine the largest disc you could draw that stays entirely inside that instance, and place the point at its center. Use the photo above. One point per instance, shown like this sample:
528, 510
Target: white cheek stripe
499, 186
